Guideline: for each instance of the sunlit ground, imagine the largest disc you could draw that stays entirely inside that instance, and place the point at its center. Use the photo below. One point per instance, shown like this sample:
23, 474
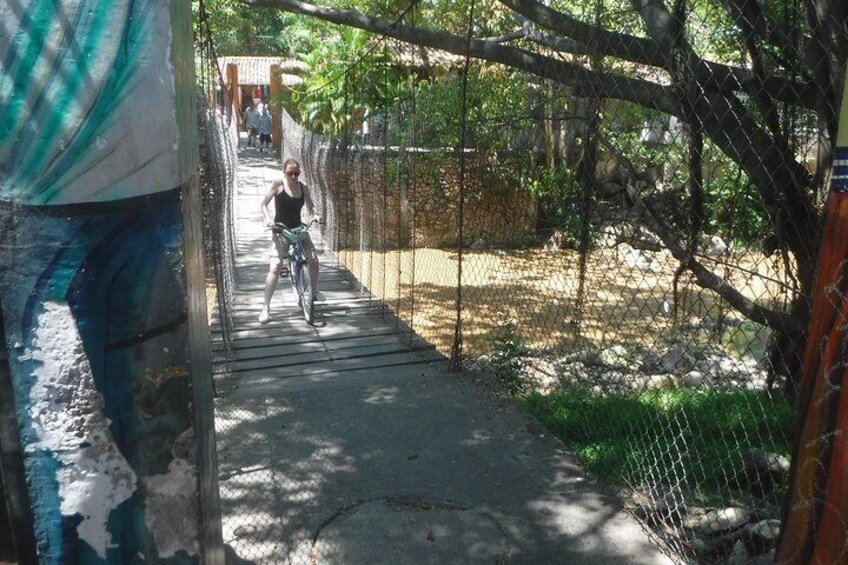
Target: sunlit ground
540, 291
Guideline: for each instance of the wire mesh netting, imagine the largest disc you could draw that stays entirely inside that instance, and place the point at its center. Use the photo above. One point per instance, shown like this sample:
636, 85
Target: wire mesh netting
620, 225
218, 167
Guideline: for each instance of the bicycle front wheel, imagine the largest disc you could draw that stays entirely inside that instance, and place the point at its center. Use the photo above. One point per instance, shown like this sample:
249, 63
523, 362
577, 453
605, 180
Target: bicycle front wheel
306, 297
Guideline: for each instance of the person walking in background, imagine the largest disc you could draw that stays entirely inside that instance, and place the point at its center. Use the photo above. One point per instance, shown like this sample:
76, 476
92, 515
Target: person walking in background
264, 129
251, 121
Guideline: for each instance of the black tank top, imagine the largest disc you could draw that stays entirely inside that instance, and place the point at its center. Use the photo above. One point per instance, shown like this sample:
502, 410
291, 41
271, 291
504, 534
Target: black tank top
288, 208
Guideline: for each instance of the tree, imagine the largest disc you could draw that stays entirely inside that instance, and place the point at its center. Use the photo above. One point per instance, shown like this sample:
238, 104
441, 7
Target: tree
765, 66
238, 30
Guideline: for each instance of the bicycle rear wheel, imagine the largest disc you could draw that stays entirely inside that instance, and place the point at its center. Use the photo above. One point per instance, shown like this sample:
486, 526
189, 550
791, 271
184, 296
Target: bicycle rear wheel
305, 296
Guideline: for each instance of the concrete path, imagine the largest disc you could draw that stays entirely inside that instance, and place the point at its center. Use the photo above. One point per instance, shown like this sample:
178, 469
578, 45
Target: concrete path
349, 443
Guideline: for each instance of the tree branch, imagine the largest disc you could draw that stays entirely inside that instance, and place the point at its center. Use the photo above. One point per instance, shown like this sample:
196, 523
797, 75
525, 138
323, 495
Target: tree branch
585, 81
556, 43
750, 14
780, 179
520, 33
704, 277
623, 46
655, 51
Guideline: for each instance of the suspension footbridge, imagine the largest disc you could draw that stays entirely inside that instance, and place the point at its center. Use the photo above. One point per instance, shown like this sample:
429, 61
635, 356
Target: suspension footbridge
349, 442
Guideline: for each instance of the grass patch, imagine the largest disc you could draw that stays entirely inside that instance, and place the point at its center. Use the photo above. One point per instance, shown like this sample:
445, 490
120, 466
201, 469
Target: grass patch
679, 437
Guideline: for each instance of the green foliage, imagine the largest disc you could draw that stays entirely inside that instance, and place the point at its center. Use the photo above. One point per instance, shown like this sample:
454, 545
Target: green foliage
561, 194
694, 436
350, 79
735, 209
508, 361
238, 29
496, 114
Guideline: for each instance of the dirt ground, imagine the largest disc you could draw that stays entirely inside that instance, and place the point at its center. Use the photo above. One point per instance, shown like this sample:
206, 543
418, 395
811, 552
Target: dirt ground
621, 303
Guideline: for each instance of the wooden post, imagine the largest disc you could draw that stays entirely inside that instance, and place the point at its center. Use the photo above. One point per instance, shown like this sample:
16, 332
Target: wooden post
234, 97
813, 529
274, 105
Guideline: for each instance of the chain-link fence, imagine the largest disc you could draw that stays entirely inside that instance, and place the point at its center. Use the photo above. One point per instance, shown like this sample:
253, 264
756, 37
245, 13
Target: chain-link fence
218, 137
218, 179
613, 209
623, 230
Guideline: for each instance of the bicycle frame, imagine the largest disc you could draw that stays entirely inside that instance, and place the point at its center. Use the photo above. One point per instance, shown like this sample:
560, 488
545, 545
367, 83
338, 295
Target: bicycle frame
298, 264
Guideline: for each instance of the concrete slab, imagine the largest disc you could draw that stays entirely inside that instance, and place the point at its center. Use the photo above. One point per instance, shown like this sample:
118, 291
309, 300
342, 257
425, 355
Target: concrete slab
482, 480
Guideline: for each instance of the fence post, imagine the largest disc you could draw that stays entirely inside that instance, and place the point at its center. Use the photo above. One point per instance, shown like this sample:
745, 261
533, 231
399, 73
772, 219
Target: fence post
456, 349
276, 117
233, 97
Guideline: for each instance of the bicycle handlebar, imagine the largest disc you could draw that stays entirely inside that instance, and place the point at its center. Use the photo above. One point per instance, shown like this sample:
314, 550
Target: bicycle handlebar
278, 226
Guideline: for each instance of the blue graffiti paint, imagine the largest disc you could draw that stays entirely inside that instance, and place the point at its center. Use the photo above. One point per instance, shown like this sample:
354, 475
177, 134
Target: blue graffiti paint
45, 137
121, 275
71, 76
91, 254
20, 60
41, 468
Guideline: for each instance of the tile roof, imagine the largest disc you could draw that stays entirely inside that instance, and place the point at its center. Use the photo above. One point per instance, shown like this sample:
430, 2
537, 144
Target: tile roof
257, 70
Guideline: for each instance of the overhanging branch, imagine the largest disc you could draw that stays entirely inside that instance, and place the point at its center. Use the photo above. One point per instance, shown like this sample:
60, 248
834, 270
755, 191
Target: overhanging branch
704, 277
601, 85
652, 52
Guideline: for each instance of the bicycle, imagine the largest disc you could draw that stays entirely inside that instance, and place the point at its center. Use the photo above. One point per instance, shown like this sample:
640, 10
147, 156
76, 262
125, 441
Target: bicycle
298, 267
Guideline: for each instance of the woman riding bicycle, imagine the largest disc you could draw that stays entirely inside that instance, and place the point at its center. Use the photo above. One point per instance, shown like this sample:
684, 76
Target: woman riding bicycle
289, 196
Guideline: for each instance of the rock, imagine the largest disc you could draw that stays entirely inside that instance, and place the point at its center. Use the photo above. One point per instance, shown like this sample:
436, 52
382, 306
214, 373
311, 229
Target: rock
635, 258
586, 356
575, 372
764, 559
606, 239
763, 471
740, 555
715, 247
658, 382
699, 546
554, 243
614, 381
694, 379
541, 374
618, 232
661, 504
723, 520
617, 357
645, 241
723, 366
651, 364
678, 359
762, 536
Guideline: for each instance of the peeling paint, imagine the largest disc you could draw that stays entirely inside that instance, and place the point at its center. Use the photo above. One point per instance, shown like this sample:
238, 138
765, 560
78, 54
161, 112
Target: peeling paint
171, 512
67, 418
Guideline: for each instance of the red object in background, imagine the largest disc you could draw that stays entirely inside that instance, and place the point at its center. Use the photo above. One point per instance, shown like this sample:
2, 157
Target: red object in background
815, 524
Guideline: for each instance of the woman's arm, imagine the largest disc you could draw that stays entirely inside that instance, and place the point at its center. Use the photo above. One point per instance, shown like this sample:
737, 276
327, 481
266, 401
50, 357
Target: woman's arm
267, 215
